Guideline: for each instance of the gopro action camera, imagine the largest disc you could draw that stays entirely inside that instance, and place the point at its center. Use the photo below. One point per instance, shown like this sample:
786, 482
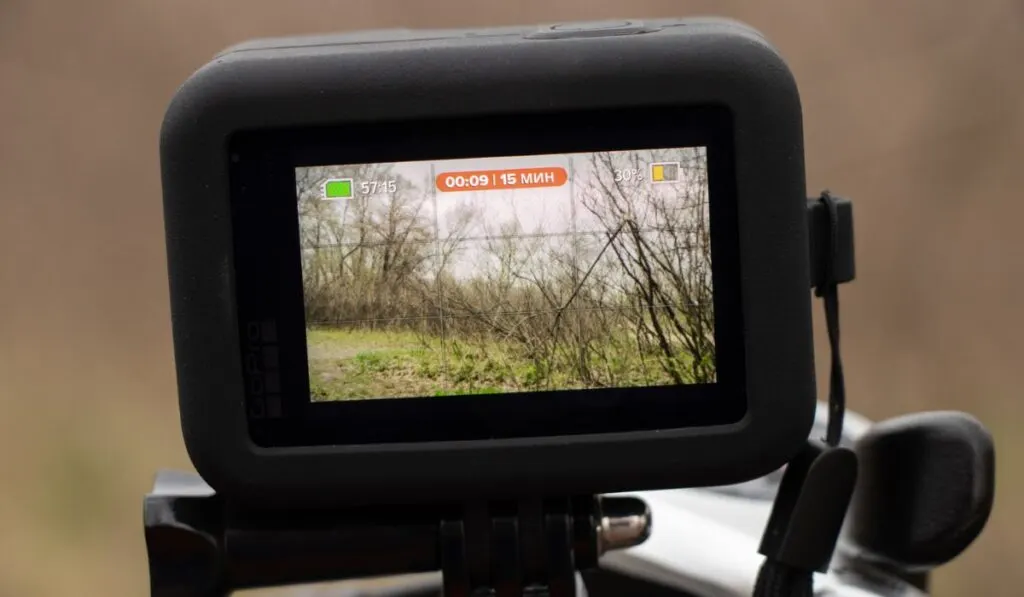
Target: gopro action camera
430, 266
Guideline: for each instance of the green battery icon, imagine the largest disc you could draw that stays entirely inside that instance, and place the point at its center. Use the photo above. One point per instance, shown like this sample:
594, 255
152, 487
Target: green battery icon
338, 188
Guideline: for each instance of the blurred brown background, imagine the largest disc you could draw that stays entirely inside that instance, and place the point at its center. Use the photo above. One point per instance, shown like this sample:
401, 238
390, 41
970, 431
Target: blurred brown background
914, 109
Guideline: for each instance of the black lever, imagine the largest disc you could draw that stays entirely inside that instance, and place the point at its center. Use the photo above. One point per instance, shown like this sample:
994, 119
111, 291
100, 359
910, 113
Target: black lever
925, 490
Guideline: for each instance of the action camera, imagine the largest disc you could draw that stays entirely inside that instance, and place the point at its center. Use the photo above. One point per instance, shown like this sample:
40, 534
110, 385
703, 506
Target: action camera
432, 266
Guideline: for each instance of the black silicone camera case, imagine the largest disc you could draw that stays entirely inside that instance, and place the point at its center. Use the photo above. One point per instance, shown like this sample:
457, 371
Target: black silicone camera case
388, 75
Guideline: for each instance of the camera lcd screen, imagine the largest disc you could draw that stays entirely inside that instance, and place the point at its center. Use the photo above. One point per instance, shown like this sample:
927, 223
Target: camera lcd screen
572, 271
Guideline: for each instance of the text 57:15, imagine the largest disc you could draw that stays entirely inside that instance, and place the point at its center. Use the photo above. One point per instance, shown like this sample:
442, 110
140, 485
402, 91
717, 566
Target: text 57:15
374, 187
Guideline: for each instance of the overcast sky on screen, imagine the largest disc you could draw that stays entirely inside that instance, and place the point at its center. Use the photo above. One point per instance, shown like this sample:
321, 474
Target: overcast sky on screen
546, 210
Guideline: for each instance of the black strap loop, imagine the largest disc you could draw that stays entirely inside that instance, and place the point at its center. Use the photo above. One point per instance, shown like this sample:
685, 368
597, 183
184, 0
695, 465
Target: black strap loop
828, 290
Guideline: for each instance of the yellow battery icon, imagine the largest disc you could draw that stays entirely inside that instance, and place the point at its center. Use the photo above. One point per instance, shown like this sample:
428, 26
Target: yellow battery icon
665, 172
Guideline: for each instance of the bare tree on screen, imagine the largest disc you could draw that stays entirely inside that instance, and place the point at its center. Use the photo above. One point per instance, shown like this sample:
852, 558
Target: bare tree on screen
368, 257
663, 254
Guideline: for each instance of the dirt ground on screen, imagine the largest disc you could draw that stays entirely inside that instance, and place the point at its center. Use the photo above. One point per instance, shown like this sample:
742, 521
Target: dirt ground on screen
914, 109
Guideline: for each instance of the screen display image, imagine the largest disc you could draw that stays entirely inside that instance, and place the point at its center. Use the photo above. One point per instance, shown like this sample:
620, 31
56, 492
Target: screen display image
513, 274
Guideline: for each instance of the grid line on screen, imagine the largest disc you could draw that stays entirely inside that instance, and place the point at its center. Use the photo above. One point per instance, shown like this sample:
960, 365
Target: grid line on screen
523, 236
440, 292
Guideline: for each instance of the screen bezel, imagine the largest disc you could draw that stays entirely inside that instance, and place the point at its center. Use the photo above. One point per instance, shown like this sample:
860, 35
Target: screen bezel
268, 280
